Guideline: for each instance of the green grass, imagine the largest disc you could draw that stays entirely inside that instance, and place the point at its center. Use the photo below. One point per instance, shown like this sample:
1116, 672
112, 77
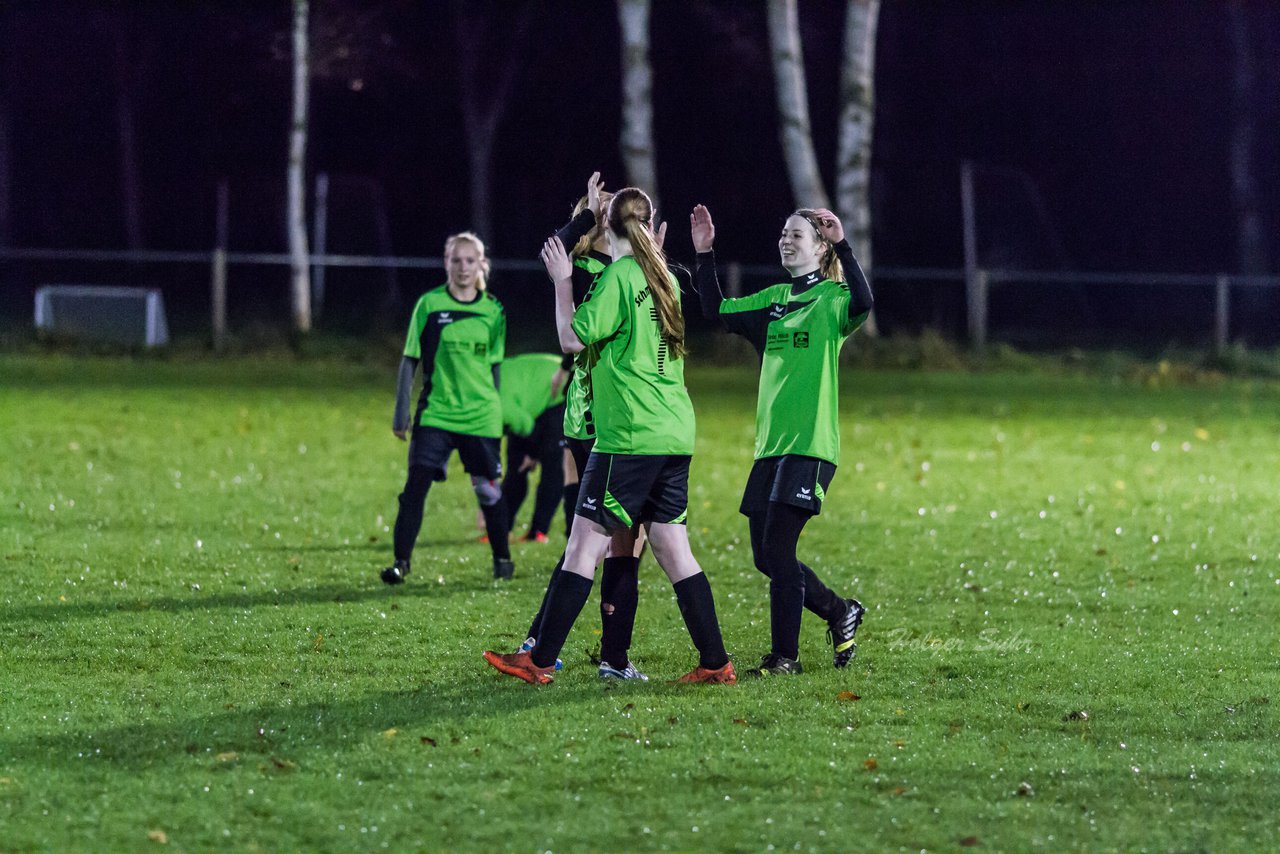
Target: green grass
1071, 642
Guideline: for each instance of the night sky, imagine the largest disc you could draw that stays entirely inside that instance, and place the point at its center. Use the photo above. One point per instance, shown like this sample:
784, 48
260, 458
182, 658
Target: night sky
1120, 114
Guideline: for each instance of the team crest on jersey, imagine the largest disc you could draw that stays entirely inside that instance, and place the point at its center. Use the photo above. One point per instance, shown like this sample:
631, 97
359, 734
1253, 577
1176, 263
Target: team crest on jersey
481, 348
800, 340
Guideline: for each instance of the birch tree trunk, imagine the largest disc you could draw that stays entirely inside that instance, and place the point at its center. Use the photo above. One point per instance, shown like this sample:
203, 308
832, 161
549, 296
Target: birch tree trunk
637, 98
127, 133
857, 124
793, 105
299, 266
1251, 253
482, 117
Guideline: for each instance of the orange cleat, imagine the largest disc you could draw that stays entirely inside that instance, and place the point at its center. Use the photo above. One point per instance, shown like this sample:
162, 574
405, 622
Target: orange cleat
722, 676
538, 537
521, 666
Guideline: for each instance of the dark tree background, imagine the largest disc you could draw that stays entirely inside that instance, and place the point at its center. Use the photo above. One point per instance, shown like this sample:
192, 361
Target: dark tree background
1119, 113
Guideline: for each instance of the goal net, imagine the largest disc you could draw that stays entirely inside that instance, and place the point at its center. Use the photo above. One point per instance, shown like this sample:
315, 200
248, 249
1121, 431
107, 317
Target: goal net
100, 313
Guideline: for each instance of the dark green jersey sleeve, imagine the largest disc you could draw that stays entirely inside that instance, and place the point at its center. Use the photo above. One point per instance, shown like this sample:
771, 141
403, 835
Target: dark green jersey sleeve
601, 314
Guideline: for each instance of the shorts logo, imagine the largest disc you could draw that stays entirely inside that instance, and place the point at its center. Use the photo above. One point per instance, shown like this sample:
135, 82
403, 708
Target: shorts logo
800, 340
589, 504
805, 494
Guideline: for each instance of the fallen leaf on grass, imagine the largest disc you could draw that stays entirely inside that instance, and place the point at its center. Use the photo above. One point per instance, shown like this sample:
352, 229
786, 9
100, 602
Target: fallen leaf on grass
740, 722
283, 764
899, 791
969, 841
229, 756
6, 781
158, 836
848, 696
318, 642
426, 739
626, 735
871, 764
389, 733
956, 726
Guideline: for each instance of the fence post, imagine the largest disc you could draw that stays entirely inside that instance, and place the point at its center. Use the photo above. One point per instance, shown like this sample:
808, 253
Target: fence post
218, 282
320, 230
1221, 313
734, 279
976, 288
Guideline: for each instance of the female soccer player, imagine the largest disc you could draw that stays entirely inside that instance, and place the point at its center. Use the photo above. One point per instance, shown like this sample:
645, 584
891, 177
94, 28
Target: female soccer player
798, 328
458, 331
619, 581
638, 470
532, 415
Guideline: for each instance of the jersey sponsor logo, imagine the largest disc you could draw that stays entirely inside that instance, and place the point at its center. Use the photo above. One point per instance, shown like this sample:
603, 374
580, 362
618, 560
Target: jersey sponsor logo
800, 339
777, 310
643, 295
777, 341
805, 494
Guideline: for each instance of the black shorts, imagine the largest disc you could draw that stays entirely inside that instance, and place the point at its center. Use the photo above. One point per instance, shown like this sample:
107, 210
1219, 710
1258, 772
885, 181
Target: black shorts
790, 479
431, 447
580, 450
620, 491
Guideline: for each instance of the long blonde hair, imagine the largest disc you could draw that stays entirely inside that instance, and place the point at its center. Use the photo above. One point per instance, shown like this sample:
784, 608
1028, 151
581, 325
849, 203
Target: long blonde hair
482, 281
630, 216
583, 246
828, 264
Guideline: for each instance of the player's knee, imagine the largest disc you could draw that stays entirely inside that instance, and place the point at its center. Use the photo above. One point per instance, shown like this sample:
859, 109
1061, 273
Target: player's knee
417, 484
489, 492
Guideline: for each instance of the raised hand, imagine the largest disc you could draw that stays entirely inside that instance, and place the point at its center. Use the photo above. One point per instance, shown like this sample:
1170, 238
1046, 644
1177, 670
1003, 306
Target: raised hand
702, 229
660, 236
594, 188
829, 225
556, 260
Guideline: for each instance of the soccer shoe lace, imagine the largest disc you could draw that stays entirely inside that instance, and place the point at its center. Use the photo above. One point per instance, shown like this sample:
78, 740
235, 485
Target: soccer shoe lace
840, 632
721, 676
519, 665
608, 671
530, 643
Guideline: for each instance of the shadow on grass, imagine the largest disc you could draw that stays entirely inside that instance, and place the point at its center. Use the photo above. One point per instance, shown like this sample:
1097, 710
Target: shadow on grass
360, 590
428, 717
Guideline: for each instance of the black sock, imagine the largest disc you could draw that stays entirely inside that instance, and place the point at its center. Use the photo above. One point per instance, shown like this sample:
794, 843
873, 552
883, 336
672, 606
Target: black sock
413, 500
497, 526
536, 626
568, 593
786, 607
618, 593
698, 608
821, 599
570, 502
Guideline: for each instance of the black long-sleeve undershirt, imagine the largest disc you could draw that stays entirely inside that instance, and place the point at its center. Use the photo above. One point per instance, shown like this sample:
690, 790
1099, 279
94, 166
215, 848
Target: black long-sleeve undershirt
710, 296
404, 391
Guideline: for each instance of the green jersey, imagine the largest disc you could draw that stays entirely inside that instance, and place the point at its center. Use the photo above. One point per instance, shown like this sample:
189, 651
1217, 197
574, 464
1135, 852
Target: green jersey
459, 343
578, 421
526, 390
639, 401
798, 329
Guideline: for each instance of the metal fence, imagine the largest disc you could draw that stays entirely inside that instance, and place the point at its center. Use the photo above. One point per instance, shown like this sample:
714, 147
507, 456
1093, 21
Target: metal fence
978, 304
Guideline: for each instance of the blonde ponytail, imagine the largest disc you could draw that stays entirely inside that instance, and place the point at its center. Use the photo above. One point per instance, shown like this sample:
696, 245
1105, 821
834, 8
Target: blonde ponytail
829, 263
630, 216
583, 246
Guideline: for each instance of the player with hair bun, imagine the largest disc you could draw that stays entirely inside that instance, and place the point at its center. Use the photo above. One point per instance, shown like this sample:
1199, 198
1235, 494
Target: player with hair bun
458, 332
798, 328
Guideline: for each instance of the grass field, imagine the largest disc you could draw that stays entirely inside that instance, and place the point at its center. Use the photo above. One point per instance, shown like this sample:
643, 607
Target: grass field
1071, 642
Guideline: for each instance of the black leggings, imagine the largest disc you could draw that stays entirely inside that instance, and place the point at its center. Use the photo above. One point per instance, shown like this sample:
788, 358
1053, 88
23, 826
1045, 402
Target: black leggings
775, 533
413, 502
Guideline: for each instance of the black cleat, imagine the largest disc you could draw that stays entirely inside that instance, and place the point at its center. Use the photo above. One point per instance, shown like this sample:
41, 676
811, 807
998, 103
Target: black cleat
395, 574
503, 568
776, 665
840, 632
